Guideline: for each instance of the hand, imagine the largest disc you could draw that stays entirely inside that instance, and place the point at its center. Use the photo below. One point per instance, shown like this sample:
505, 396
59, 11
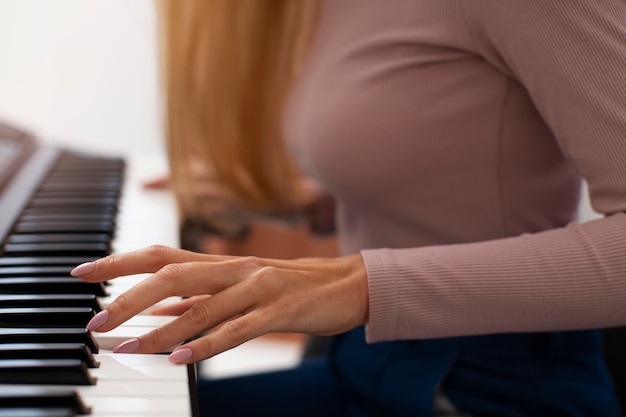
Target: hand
241, 298
204, 184
157, 183
228, 214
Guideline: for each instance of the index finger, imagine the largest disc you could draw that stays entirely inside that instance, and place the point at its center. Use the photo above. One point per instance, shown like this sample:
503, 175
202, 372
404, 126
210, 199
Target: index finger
183, 280
146, 260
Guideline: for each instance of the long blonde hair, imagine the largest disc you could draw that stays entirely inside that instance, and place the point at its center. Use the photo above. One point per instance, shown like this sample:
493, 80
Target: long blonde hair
226, 68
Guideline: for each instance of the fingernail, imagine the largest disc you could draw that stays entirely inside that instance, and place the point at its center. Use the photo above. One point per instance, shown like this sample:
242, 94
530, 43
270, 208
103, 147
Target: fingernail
83, 269
98, 320
180, 355
129, 346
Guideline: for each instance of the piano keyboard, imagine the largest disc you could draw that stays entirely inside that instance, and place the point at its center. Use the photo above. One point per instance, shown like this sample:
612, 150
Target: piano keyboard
59, 209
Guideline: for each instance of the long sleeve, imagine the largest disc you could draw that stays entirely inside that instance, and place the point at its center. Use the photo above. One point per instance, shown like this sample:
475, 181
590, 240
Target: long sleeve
570, 56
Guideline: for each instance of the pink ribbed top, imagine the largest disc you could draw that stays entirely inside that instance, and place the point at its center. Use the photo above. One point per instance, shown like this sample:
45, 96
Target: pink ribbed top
454, 134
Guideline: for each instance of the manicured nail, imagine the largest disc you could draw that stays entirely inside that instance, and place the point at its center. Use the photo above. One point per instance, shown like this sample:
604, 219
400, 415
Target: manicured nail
129, 346
180, 355
98, 320
83, 269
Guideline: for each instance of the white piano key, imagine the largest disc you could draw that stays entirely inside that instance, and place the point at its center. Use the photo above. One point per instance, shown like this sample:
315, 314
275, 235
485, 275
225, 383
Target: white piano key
140, 361
137, 414
146, 217
147, 406
125, 401
109, 340
148, 321
123, 366
105, 301
146, 388
139, 385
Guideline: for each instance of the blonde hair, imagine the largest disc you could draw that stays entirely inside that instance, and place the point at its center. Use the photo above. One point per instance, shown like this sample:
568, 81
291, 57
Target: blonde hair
226, 68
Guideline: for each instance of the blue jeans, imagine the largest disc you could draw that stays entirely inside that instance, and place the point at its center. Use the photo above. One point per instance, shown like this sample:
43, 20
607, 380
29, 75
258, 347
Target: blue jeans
309, 390
516, 375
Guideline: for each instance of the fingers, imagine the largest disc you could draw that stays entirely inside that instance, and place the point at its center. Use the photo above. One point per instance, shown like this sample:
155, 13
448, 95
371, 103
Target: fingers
176, 309
147, 260
223, 311
186, 279
227, 336
242, 298
157, 183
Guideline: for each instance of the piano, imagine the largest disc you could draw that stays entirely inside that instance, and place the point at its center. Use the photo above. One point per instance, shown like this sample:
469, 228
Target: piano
59, 208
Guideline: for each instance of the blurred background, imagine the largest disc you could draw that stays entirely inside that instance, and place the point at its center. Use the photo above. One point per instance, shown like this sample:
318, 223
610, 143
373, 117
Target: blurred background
82, 72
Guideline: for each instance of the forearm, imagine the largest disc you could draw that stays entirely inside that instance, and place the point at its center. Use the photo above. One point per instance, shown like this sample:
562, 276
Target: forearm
569, 278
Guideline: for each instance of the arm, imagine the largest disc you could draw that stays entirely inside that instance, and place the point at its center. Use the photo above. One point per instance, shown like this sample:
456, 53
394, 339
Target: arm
571, 57
239, 298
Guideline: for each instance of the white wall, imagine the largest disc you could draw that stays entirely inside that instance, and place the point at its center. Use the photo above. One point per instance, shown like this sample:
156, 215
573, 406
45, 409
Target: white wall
82, 72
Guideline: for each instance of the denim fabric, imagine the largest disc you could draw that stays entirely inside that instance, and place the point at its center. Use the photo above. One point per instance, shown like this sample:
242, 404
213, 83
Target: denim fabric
509, 375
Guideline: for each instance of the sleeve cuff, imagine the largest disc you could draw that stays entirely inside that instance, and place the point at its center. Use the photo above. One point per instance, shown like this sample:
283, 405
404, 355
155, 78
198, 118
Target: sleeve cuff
382, 297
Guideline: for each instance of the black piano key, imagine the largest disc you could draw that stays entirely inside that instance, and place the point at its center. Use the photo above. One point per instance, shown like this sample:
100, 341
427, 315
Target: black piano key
78, 351
69, 261
82, 178
95, 171
51, 285
60, 238
98, 182
87, 189
33, 271
78, 185
72, 157
94, 249
69, 210
57, 335
33, 218
105, 166
39, 317
45, 372
27, 397
98, 226
72, 192
50, 300
87, 162
97, 168
36, 412
96, 177
73, 202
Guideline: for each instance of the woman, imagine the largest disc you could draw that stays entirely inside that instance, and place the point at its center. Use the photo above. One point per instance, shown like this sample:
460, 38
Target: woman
453, 136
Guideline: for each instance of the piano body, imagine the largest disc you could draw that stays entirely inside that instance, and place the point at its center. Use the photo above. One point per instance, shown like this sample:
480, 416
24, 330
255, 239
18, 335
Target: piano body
59, 208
